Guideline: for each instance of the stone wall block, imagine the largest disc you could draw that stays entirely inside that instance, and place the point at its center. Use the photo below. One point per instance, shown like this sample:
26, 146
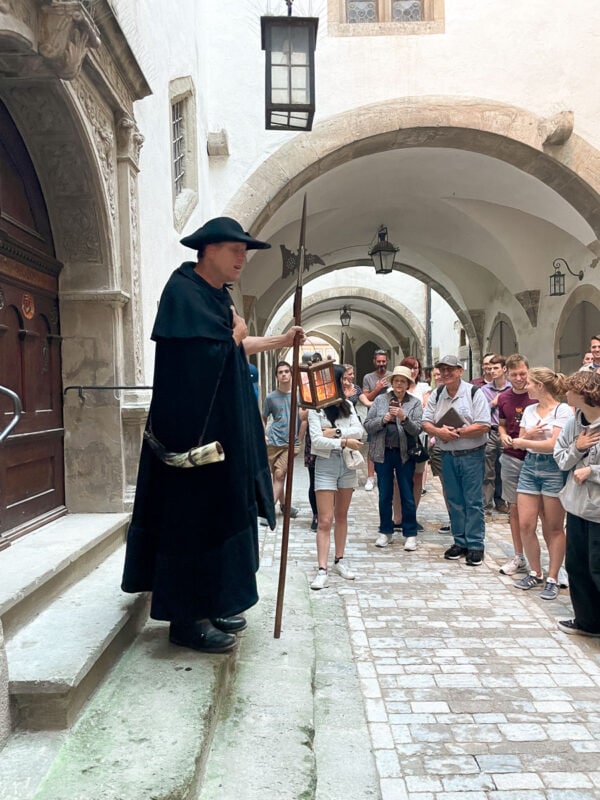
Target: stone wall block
94, 448
4, 697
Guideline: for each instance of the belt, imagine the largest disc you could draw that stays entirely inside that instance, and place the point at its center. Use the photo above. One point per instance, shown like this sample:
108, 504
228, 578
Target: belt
457, 453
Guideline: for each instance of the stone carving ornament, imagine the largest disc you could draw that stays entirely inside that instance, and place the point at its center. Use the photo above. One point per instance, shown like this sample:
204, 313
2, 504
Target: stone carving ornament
130, 139
80, 231
66, 32
104, 138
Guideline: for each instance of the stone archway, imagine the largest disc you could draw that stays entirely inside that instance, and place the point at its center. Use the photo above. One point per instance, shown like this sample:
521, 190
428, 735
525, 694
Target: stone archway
76, 120
543, 148
578, 322
406, 331
502, 339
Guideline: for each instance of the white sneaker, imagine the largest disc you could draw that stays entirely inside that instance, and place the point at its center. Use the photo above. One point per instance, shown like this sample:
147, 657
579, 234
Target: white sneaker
321, 581
410, 543
369, 485
383, 540
343, 568
563, 578
514, 565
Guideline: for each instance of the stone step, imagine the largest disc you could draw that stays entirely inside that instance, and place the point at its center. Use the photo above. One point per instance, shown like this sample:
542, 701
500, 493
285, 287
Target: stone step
57, 659
144, 734
42, 564
293, 724
278, 717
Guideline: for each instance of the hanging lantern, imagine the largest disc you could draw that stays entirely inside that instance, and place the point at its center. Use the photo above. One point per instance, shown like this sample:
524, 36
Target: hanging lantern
289, 44
318, 388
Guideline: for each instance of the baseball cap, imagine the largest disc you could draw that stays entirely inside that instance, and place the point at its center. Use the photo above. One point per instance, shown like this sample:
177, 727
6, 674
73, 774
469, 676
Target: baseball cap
450, 361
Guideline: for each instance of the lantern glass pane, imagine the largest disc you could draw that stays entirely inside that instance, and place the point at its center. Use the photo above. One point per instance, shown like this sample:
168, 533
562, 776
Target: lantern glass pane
304, 387
324, 384
285, 119
290, 73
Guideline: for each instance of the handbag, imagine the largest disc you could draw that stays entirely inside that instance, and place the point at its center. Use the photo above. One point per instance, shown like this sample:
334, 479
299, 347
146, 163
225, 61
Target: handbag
352, 458
418, 451
578, 499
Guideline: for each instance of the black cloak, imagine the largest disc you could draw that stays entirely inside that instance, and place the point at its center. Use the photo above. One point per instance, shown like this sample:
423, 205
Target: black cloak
193, 538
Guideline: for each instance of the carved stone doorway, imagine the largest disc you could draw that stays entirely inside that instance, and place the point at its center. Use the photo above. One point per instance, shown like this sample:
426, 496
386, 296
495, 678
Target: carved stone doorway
31, 459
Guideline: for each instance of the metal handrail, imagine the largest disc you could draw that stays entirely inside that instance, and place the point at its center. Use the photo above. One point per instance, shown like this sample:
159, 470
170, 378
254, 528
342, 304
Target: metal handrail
80, 389
18, 411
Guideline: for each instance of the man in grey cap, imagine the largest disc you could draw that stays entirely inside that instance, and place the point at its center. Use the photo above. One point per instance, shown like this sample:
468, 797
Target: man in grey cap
459, 418
193, 539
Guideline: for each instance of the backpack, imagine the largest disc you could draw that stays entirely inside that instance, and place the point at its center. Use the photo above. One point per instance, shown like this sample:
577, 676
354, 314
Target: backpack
440, 389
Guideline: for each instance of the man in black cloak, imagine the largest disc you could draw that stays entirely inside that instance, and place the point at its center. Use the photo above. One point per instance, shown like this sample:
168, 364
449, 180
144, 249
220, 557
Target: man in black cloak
193, 538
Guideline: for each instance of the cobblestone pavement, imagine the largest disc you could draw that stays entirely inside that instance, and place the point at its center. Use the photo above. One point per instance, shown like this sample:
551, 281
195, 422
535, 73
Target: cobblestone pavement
469, 688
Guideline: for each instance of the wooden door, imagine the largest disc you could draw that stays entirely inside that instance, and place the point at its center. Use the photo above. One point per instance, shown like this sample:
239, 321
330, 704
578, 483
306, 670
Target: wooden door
31, 459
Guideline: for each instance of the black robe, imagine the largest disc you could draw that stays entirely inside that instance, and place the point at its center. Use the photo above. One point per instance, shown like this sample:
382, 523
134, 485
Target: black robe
193, 538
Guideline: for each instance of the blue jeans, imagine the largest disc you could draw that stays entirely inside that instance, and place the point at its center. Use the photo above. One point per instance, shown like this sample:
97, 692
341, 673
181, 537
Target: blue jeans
385, 481
463, 484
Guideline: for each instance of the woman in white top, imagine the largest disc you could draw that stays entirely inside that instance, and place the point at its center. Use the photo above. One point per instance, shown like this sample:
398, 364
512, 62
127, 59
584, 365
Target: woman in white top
541, 480
332, 430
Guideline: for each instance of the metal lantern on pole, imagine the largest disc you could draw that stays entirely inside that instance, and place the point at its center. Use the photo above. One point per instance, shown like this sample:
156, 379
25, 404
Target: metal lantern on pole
318, 388
289, 44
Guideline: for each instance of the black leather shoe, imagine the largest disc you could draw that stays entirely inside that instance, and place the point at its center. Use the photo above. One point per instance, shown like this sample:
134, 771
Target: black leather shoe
201, 636
230, 624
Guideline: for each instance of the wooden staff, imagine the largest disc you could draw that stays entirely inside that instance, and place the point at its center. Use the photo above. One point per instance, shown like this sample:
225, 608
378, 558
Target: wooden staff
285, 533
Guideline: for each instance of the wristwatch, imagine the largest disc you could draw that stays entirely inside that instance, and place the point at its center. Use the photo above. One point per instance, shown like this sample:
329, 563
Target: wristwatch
338, 433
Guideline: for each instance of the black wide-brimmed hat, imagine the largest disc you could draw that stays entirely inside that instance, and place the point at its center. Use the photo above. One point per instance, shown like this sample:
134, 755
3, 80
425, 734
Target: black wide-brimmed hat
222, 229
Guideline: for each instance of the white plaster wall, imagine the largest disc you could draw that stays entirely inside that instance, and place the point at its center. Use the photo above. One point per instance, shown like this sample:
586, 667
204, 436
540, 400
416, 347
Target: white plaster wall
529, 54
169, 43
534, 55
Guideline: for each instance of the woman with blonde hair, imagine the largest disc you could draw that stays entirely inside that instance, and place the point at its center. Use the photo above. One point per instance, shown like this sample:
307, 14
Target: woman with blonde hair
540, 479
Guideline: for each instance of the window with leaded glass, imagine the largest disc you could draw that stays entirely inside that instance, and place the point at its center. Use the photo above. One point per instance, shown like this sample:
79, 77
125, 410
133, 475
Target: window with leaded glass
407, 10
385, 17
178, 145
184, 150
361, 11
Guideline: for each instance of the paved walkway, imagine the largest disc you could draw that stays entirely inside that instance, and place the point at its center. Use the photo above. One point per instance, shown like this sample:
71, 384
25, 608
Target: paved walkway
470, 690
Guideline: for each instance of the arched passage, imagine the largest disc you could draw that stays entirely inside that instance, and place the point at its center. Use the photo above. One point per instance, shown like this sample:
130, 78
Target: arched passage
579, 321
500, 203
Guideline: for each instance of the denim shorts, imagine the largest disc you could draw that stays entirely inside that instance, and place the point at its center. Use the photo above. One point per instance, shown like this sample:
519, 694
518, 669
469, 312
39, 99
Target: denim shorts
332, 473
540, 475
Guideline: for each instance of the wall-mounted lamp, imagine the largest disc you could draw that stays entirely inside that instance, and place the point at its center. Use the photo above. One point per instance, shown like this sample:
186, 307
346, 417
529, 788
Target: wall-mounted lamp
557, 279
289, 44
383, 252
345, 317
